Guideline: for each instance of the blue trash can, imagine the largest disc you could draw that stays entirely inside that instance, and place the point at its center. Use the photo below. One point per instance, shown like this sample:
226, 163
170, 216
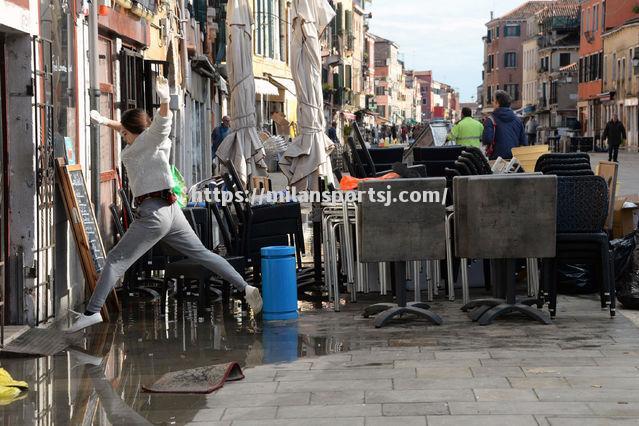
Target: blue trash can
279, 283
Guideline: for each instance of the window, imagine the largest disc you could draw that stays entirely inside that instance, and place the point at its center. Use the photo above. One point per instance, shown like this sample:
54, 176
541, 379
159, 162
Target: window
497, 32
380, 91
510, 59
596, 12
614, 66
512, 90
564, 59
491, 62
489, 94
512, 30
267, 28
489, 36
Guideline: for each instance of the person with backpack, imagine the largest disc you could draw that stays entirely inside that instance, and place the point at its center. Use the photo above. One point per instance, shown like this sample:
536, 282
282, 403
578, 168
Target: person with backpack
158, 216
503, 130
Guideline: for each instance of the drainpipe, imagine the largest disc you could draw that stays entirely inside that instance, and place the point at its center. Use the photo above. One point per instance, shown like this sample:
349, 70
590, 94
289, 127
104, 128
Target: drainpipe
186, 71
94, 101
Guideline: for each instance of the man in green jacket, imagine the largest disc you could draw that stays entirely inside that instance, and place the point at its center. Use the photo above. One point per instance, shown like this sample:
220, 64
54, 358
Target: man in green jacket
468, 131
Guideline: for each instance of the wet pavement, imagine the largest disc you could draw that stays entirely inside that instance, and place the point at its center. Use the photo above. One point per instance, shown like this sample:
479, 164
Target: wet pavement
290, 369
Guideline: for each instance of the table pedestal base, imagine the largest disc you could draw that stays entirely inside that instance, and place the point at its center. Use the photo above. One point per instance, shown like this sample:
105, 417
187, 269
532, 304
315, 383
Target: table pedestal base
383, 318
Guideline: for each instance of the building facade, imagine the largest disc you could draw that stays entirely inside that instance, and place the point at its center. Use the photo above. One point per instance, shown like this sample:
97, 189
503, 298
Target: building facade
558, 55
503, 63
591, 68
621, 66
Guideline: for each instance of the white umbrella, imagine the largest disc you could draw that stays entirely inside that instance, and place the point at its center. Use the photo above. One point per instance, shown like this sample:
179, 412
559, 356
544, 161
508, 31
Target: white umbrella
308, 156
242, 146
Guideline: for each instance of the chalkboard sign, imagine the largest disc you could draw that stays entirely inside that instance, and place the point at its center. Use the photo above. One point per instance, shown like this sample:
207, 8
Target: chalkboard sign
85, 228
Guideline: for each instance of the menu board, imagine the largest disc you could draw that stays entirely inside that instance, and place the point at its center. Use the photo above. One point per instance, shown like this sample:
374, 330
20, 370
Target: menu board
85, 228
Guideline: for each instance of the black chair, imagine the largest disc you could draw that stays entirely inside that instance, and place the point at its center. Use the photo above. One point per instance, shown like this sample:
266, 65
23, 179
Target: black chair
470, 164
362, 162
479, 159
582, 208
383, 158
569, 158
436, 159
463, 169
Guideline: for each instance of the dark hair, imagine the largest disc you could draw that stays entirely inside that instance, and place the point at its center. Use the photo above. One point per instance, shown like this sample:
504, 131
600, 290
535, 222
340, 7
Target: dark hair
503, 98
466, 112
334, 124
135, 120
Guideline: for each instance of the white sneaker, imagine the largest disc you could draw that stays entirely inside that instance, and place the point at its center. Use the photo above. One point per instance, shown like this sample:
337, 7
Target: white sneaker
81, 358
254, 299
83, 321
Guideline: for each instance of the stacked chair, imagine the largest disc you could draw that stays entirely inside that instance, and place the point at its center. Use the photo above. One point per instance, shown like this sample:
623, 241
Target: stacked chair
582, 208
575, 164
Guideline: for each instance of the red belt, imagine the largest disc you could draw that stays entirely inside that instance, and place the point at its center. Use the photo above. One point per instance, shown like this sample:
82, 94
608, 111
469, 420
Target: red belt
166, 195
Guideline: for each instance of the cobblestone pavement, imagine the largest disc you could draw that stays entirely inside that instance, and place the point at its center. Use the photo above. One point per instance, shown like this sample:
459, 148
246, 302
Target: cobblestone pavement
582, 370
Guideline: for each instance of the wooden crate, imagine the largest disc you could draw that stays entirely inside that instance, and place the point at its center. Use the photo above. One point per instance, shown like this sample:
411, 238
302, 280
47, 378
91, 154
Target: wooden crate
528, 155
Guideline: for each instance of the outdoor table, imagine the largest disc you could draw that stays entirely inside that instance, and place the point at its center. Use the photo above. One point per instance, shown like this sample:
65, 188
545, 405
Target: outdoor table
493, 220
402, 232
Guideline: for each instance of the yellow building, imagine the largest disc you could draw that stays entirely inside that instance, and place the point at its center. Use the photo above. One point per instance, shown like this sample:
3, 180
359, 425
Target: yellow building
621, 77
274, 86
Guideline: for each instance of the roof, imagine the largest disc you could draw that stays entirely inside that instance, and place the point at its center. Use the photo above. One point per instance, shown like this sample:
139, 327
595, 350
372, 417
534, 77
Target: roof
569, 9
379, 39
525, 10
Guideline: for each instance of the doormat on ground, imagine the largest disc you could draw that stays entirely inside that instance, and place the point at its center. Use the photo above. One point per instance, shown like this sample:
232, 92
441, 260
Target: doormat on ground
197, 380
38, 341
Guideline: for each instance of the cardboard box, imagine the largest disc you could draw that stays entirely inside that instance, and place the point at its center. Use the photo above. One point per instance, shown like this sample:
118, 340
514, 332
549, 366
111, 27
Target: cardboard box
625, 216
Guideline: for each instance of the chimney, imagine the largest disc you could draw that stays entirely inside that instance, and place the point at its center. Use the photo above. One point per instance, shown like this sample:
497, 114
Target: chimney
492, 15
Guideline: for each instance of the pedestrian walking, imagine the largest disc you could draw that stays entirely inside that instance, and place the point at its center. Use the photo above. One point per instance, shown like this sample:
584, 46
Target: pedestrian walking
158, 217
219, 133
531, 130
503, 130
615, 133
468, 131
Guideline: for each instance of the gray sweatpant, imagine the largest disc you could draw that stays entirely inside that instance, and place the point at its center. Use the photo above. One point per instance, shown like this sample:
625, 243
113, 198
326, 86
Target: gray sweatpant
156, 220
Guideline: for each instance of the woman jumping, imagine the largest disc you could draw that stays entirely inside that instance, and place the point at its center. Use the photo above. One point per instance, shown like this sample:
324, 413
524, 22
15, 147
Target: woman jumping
158, 217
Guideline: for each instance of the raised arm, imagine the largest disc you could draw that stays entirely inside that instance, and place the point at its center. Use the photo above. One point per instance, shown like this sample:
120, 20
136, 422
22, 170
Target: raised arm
97, 118
164, 93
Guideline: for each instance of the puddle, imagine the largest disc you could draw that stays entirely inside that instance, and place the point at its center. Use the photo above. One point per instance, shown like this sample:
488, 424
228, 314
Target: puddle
150, 340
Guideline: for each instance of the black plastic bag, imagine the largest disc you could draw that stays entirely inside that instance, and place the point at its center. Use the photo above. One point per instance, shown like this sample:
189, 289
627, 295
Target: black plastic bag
622, 253
626, 258
576, 279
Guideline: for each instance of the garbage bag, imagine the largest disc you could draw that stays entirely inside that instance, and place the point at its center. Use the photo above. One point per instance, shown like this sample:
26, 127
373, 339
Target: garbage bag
576, 279
627, 273
179, 187
622, 252
10, 390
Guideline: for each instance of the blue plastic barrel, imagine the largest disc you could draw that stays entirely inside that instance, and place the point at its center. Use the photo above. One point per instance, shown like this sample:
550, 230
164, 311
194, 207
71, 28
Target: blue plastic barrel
279, 283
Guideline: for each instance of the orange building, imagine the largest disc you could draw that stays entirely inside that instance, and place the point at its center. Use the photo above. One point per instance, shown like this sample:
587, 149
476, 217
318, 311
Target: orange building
593, 23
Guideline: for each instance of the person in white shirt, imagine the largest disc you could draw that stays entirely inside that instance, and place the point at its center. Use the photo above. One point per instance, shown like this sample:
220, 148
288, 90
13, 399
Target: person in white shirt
158, 216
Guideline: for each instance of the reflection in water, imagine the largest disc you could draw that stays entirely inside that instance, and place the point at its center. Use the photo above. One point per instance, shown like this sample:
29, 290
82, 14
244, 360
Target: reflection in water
150, 340
280, 341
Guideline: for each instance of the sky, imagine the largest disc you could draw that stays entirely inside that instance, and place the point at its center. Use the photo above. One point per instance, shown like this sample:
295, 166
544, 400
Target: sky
440, 35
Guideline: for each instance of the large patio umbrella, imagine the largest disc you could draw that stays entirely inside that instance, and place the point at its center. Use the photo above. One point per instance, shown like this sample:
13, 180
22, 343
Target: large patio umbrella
308, 156
242, 146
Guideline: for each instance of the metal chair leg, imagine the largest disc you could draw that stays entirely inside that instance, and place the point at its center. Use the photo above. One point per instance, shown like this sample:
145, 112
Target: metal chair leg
465, 285
449, 259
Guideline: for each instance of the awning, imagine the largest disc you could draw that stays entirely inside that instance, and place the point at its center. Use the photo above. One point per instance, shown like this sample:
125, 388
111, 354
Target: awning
203, 66
224, 87
349, 115
265, 87
606, 96
284, 83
